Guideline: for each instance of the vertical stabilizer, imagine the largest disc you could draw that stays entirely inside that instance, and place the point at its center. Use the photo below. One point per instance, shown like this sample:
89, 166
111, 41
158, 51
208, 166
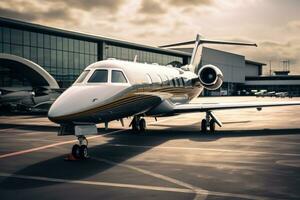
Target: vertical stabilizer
197, 51
196, 55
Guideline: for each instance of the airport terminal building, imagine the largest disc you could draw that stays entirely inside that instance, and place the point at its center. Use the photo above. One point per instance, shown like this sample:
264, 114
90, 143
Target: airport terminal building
64, 54
36, 55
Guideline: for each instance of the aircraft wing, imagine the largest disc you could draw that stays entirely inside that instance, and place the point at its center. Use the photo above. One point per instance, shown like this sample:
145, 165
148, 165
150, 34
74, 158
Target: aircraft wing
197, 107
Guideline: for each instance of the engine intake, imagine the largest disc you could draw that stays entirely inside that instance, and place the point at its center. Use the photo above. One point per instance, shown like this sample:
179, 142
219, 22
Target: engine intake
210, 77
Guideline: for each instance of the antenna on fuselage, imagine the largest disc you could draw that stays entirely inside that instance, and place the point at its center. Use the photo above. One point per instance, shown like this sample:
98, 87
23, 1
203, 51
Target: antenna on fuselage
196, 55
135, 58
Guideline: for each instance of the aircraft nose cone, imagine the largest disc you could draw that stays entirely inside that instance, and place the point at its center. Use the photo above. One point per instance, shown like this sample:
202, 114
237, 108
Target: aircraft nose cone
76, 101
53, 113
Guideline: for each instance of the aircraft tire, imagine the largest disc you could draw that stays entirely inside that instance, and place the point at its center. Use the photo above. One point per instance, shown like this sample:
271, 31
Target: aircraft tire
135, 126
212, 126
83, 152
203, 126
142, 125
76, 151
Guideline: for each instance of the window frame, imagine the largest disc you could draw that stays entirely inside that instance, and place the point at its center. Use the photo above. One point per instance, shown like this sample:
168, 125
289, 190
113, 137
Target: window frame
111, 73
85, 77
109, 70
94, 71
121, 70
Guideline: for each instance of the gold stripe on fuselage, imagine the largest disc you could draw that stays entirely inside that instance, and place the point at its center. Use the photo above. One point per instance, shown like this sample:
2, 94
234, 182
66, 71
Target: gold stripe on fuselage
133, 96
108, 106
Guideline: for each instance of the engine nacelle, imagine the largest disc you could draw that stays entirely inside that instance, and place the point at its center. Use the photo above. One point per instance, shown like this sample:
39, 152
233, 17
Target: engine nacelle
210, 77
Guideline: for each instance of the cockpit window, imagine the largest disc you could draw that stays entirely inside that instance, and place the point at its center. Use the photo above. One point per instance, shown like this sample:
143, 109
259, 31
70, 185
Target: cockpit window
82, 76
99, 76
118, 77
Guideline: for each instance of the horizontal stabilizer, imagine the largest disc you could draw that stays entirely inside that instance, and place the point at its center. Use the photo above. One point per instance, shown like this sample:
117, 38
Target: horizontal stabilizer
178, 44
205, 41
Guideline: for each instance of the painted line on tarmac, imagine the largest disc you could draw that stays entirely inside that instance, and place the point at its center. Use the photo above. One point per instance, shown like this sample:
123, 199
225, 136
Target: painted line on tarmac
203, 149
55, 144
98, 183
200, 193
10, 128
70, 141
133, 186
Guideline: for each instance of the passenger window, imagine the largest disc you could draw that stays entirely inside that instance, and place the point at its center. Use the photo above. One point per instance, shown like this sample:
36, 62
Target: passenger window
99, 76
82, 76
118, 77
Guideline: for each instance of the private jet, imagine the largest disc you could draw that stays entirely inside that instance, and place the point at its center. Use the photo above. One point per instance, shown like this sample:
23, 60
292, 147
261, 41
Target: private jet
261, 93
282, 94
27, 98
113, 89
270, 94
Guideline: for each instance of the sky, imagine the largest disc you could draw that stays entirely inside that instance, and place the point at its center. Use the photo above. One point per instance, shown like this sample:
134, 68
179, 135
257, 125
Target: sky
273, 24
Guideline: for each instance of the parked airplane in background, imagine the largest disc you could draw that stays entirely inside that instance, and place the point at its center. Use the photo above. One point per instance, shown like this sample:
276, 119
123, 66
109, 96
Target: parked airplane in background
282, 94
113, 89
260, 93
270, 94
265, 93
27, 98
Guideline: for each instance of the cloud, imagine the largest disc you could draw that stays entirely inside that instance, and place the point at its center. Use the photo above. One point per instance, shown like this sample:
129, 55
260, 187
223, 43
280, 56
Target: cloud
17, 15
31, 13
51, 10
281, 51
157, 22
111, 5
190, 2
294, 25
145, 20
276, 52
151, 7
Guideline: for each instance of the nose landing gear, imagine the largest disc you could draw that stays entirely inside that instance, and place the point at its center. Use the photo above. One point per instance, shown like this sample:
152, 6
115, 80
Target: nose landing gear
80, 151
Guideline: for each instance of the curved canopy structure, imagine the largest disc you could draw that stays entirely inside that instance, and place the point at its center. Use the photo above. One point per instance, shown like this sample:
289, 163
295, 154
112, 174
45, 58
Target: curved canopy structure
35, 74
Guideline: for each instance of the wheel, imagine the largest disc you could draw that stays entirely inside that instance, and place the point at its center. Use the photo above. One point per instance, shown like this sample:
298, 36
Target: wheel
83, 152
142, 124
134, 125
212, 126
76, 151
203, 126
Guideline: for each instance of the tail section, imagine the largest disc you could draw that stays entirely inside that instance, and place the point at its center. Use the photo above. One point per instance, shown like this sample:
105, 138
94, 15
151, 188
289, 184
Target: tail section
196, 55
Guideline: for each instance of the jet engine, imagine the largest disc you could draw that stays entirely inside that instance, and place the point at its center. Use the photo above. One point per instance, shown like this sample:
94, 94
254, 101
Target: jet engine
210, 77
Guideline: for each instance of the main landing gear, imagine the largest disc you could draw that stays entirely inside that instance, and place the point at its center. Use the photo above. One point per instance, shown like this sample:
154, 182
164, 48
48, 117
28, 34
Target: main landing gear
210, 122
138, 124
80, 151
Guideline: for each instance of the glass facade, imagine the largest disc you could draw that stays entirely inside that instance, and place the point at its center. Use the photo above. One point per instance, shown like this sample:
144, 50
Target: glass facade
64, 58
66, 55
143, 56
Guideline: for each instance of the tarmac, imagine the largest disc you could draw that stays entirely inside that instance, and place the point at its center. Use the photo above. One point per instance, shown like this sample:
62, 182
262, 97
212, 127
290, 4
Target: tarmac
255, 155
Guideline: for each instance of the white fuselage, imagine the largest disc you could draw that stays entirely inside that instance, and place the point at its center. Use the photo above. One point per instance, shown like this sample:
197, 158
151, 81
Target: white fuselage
147, 86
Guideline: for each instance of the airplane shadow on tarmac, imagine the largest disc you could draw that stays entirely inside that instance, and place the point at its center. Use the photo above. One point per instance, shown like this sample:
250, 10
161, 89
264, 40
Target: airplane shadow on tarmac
30, 127
80, 170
